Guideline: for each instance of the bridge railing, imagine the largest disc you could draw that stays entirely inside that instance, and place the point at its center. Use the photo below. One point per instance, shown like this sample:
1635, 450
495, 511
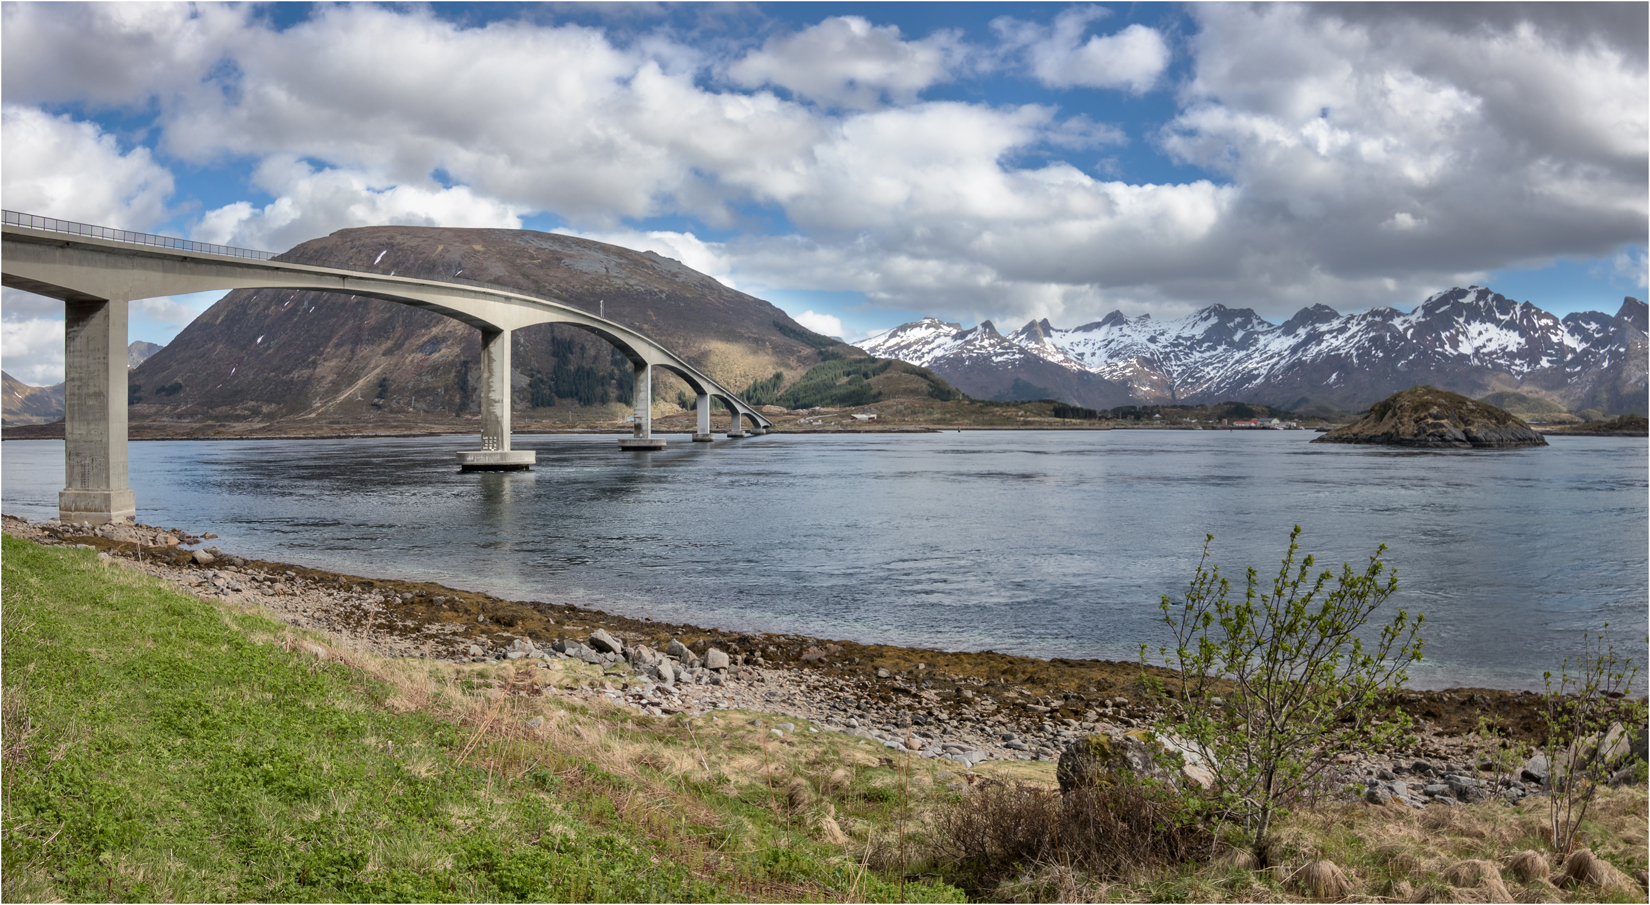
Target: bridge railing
52, 224
417, 270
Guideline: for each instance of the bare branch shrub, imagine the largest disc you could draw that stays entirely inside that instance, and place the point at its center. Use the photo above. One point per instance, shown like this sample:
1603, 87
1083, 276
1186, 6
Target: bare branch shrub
1588, 720
1109, 832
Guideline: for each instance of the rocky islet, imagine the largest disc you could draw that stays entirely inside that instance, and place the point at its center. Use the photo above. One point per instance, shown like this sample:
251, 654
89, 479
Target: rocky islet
1425, 417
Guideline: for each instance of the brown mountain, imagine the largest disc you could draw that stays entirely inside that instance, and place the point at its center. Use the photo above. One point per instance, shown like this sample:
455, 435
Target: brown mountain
138, 352
276, 356
24, 404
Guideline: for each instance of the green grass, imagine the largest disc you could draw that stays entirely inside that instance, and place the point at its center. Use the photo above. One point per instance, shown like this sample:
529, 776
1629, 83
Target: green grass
159, 747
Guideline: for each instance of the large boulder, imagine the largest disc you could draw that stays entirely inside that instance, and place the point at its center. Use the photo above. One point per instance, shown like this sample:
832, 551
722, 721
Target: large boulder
577, 651
607, 644
1102, 759
1431, 418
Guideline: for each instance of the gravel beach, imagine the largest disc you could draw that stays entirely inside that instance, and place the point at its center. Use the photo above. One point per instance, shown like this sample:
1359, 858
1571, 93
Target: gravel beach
970, 708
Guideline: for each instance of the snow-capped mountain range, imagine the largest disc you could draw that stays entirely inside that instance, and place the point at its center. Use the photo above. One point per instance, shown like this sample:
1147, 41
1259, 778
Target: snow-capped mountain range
1471, 341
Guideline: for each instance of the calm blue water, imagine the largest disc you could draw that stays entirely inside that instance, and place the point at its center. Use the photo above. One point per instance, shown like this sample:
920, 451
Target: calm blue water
1040, 543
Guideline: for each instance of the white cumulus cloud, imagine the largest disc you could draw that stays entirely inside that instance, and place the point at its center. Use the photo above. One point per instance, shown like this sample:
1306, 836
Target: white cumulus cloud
1132, 58
1353, 155
165, 310
846, 61
310, 204
58, 167
1372, 148
823, 324
31, 349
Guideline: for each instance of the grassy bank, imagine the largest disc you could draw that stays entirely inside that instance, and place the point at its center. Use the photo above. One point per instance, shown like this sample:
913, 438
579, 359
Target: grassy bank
161, 747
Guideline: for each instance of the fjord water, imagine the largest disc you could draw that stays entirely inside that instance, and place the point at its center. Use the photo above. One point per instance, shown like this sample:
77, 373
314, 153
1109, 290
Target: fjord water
1047, 544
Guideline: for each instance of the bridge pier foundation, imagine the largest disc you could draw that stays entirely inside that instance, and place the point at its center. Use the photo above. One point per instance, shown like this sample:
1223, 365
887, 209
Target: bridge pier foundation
94, 414
736, 426
642, 434
703, 434
495, 453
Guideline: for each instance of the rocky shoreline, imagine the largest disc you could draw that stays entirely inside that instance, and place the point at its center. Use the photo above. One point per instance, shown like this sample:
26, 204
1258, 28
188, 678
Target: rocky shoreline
971, 708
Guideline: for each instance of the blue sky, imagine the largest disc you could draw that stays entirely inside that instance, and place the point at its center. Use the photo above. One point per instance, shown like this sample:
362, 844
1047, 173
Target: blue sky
863, 165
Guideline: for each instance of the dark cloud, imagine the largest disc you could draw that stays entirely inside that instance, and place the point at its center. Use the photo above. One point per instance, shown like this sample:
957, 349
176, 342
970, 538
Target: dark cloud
1625, 27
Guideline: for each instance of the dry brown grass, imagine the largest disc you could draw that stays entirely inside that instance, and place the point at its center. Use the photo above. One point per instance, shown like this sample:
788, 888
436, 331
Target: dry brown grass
1322, 880
1237, 858
16, 727
1479, 874
1528, 865
1441, 853
1398, 891
798, 794
1587, 868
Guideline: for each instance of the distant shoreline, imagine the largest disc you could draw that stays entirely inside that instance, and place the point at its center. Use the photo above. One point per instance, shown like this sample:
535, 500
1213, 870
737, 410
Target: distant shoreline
54, 431
679, 424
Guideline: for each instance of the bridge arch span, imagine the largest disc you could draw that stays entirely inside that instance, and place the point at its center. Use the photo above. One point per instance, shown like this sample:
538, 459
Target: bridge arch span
97, 271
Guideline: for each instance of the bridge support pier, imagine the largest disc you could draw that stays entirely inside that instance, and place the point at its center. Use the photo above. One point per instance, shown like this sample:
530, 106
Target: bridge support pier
642, 434
703, 434
94, 414
736, 425
495, 453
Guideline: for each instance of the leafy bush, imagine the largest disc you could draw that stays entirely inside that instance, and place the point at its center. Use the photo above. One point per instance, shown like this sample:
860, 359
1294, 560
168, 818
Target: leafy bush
1271, 688
1587, 717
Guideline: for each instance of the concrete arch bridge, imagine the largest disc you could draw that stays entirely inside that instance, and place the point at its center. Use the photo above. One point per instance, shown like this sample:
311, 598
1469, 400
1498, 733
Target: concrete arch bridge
98, 271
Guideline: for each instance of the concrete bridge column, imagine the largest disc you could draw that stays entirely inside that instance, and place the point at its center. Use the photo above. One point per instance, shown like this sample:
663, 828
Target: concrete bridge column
641, 436
94, 414
736, 425
495, 453
703, 434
